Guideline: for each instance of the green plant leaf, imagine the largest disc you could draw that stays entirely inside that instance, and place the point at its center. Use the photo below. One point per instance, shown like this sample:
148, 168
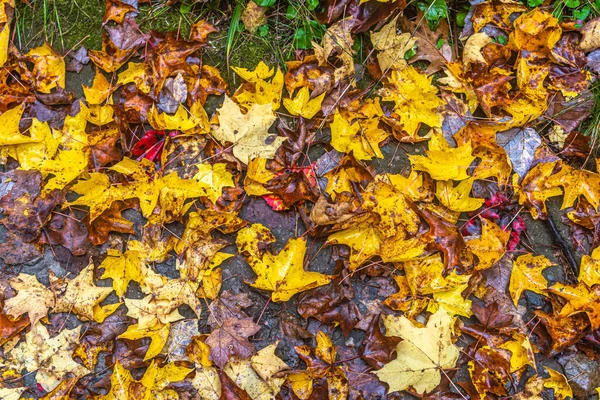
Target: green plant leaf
263, 30
572, 3
434, 11
265, 3
302, 39
582, 13
291, 12
312, 4
534, 3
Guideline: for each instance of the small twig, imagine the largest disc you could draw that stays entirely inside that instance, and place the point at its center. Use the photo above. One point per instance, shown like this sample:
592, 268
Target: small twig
572, 271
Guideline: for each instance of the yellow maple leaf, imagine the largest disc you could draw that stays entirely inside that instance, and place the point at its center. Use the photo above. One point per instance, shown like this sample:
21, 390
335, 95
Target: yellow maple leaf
422, 353
302, 105
415, 98
361, 137
158, 334
522, 353
580, 299
5, 21
364, 241
49, 69
559, 383
535, 31
213, 178
126, 267
10, 121
396, 217
182, 120
282, 274
247, 132
99, 91
589, 270
457, 198
256, 376
149, 387
135, 73
443, 162
79, 295
97, 114
257, 176
490, 246
527, 275
49, 356
258, 90
575, 183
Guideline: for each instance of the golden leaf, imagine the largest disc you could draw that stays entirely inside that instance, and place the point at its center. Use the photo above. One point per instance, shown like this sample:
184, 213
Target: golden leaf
415, 98
443, 162
283, 274
527, 275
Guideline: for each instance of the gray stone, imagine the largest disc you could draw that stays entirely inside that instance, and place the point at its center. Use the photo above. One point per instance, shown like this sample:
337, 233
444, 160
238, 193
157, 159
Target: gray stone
583, 375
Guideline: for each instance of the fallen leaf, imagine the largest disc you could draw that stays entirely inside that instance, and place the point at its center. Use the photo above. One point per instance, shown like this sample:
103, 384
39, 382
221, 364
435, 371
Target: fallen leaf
248, 133
50, 357
421, 354
527, 275
32, 298
231, 339
78, 295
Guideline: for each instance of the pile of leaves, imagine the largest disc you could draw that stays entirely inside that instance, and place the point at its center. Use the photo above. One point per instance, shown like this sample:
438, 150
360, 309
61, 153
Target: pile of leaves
142, 257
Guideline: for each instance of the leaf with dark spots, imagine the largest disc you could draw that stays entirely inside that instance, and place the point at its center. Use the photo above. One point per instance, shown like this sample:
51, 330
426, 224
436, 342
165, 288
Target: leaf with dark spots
169, 56
332, 304
27, 209
576, 145
564, 331
117, 9
584, 224
111, 57
489, 372
231, 340
378, 349
208, 82
131, 353
294, 185
229, 390
103, 147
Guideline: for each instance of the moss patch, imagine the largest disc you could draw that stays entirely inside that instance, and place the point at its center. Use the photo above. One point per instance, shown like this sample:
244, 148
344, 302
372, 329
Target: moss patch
62, 23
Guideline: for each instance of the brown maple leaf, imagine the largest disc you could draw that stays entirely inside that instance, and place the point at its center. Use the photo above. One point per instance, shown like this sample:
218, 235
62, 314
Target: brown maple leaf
427, 40
231, 339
